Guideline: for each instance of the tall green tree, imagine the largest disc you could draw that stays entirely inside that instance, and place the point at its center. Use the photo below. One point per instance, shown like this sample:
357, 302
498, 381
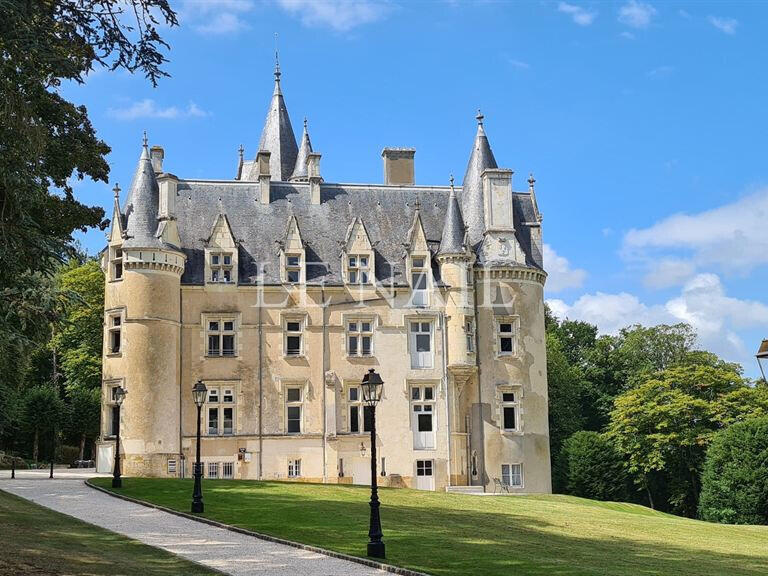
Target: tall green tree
44, 414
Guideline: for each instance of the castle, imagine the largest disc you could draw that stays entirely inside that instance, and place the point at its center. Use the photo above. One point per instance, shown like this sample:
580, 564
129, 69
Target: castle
279, 291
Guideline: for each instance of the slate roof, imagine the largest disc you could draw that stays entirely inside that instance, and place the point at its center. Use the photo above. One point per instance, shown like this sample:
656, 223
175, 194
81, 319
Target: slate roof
300, 171
387, 212
141, 206
454, 231
480, 160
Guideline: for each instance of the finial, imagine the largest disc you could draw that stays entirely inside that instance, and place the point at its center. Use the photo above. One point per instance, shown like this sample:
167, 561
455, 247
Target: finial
479, 117
116, 190
240, 151
305, 122
145, 138
451, 182
277, 61
531, 181
417, 204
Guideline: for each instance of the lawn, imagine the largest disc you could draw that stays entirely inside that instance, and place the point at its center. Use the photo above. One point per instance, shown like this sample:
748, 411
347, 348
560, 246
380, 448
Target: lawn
460, 535
41, 542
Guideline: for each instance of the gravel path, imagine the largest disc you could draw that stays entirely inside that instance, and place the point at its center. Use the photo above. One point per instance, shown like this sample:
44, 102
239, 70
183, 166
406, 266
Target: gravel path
230, 552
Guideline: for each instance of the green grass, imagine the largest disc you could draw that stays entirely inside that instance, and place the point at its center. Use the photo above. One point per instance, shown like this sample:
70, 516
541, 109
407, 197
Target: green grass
460, 535
41, 542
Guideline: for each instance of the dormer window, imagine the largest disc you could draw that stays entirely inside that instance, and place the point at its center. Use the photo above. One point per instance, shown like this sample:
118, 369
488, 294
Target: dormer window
221, 266
293, 268
358, 269
419, 272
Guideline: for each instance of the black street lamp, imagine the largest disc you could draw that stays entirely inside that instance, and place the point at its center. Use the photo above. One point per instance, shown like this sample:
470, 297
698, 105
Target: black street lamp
118, 395
199, 393
372, 387
53, 449
762, 357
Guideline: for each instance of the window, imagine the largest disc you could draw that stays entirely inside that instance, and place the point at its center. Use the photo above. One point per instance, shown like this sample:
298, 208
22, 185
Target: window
509, 412
294, 468
221, 336
293, 268
116, 262
359, 337
221, 266
294, 340
423, 467
506, 334
172, 467
358, 410
213, 469
227, 469
115, 420
512, 475
221, 418
422, 417
419, 296
358, 270
293, 409
421, 344
114, 323
469, 332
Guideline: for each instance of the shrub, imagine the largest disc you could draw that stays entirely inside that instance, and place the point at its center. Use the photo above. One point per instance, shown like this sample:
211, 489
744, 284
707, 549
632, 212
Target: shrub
735, 480
594, 468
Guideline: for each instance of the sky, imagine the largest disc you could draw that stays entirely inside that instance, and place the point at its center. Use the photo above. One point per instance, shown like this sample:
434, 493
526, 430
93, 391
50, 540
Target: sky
644, 124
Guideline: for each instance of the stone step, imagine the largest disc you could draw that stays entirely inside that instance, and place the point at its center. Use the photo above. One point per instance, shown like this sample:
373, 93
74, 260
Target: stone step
464, 489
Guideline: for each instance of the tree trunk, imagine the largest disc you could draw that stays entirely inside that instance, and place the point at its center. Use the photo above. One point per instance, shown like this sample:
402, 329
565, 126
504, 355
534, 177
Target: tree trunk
82, 446
35, 445
650, 498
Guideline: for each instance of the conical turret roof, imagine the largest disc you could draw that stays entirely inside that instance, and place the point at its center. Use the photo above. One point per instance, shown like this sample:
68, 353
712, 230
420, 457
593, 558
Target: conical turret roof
305, 149
480, 160
452, 241
142, 203
278, 136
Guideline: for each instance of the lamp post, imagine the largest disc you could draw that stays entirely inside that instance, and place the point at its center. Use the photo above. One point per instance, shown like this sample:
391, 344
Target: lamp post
762, 357
372, 386
199, 393
119, 396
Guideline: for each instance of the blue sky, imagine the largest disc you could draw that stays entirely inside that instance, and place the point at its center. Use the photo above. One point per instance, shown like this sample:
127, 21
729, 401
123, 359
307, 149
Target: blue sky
644, 124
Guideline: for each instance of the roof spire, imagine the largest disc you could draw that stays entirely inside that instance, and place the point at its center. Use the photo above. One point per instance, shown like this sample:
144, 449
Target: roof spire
116, 190
240, 152
454, 230
145, 139
300, 169
141, 204
277, 67
531, 182
472, 187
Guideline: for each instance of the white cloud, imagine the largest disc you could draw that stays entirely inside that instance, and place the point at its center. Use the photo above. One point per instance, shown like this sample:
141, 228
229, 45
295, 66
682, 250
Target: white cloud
636, 14
560, 274
731, 237
726, 25
580, 15
213, 17
660, 71
669, 272
519, 64
340, 15
702, 303
148, 108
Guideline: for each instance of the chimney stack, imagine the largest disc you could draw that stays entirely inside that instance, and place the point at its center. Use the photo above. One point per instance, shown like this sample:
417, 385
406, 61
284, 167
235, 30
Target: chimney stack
157, 154
262, 165
398, 166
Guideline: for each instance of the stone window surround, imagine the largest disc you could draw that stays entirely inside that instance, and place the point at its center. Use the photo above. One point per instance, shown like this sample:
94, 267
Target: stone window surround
293, 468
358, 268
359, 317
302, 385
515, 335
347, 404
114, 259
433, 402
434, 319
470, 331
109, 328
220, 386
205, 317
517, 389
302, 318
522, 476
108, 385
221, 267
426, 269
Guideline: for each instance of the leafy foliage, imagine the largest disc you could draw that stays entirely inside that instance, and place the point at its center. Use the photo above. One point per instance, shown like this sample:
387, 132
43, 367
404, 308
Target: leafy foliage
594, 469
735, 478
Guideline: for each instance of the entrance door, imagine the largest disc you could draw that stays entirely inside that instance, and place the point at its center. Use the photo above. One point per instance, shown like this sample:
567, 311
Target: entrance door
425, 478
361, 471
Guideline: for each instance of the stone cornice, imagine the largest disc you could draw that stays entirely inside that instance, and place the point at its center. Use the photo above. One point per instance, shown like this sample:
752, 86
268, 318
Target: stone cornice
162, 266
512, 273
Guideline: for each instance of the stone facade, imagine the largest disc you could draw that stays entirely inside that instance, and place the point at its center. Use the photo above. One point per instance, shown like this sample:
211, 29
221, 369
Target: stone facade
280, 291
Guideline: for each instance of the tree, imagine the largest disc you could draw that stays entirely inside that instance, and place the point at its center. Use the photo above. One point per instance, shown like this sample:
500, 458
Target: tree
84, 415
45, 140
647, 350
594, 468
735, 479
43, 413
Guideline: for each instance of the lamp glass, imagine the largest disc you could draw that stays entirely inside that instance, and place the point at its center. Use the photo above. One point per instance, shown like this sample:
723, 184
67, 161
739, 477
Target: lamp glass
372, 386
119, 395
762, 357
199, 392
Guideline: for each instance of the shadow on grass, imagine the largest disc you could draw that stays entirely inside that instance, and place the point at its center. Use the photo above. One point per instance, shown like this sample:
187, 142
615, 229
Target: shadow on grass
448, 535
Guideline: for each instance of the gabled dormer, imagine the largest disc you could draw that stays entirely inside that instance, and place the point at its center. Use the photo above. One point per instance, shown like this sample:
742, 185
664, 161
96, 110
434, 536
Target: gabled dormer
113, 266
357, 256
418, 263
221, 253
293, 258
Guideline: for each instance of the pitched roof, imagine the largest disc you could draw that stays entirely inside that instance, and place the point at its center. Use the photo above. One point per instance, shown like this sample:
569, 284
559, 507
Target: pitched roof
454, 231
472, 187
278, 137
300, 172
387, 213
